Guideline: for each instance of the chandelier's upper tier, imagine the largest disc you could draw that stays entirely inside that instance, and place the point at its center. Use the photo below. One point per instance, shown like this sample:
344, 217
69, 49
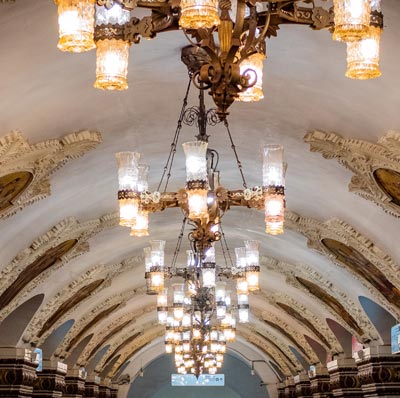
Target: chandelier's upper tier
230, 34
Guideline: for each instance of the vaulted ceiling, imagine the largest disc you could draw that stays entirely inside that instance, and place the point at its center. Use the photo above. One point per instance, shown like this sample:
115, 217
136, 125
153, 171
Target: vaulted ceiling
337, 261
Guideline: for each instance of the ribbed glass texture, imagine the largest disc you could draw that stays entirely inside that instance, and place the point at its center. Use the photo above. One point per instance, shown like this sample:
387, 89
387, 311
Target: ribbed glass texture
252, 252
352, 18
143, 176
75, 25
196, 162
141, 226
208, 276
128, 211
254, 63
157, 253
197, 201
240, 253
274, 214
197, 14
127, 170
273, 167
115, 15
363, 56
112, 58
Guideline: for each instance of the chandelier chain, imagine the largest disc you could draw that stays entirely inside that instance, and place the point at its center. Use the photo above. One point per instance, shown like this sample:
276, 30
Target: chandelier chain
179, 243
171, 156
238, 162
228, 251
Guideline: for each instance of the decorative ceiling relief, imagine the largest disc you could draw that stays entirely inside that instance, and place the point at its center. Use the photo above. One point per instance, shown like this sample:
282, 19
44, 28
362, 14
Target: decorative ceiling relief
59, 307
26, 169
376, 167
349, 249
91, 319
134, 347
346, 311
114, 327
263, 345
313, 324
276, 343
33, 265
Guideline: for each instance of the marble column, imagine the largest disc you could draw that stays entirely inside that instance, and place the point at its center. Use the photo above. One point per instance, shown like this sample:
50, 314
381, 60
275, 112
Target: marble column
303, 386
379, 372
50, 380
344, 378
92, 386
17, 372
320, 382
74, 383
290, 389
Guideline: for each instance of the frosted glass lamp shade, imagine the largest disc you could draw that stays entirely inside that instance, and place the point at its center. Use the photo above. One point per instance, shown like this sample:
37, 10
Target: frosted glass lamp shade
157, 281
114, 15
197, 201
352, 18
112, 57
209, 255
363, 56
128, 211
208, 276
252, 253
273, 166
127, 170
141, 226
243, 315
197, 14
252, 277
143, 176
75, 25
254, 66
157, 253
196, 162
274, 213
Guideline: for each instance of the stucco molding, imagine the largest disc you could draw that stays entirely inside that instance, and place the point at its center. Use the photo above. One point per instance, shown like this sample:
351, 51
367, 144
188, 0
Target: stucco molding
85, 319
132, 316
262, 315
315, 231
68, 229
41, 160
363, 159
319, 324
310, 274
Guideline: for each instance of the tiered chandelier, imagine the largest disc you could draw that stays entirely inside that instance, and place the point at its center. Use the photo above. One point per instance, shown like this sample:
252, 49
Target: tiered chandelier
234, 51
200, 313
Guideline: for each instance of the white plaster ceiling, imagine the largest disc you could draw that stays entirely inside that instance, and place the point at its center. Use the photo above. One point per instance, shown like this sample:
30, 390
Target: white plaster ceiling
46, 93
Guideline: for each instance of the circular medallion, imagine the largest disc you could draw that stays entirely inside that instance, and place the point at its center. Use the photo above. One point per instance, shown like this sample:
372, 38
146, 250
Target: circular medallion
389, 181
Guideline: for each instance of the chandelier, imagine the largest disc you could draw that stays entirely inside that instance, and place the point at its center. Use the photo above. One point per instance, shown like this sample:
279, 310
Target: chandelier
233, 51
200, 311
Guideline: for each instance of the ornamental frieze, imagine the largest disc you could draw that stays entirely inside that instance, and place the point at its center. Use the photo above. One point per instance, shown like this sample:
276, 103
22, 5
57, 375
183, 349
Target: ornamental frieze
32, 266
376, 167
26, 168
348, 248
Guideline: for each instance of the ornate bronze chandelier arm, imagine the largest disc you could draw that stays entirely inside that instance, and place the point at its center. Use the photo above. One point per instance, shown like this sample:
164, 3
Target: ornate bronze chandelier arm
251, 198
237, 31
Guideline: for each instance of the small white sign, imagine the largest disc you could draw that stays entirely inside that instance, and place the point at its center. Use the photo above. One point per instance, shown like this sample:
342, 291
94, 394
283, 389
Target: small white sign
217, 380
396, 339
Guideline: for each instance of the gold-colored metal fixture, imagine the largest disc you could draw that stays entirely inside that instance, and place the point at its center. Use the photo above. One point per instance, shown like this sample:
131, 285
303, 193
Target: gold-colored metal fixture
233, 50
200, 313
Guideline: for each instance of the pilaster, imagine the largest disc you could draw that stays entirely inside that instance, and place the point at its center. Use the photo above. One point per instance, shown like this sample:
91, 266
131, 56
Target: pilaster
50, 380
303, 386
281, 390
344, 378
379, 372
92, 386
290, 389
320, 382
17, 372
74, 383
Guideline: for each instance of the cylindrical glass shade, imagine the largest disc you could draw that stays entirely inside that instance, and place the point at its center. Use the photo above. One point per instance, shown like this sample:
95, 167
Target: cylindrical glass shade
208, 276
157, 281
352, 19
143, 176
242, 286
209, 255
179, 293
162, 299
196, 14
112, 64
157, 253
162, 317
168, 348
252, 277
115, 15
254, 63
363, 56
243, 315
75, 25
240, 253
274, 213
127, 170
141, 226
252, 253
128, 211
196, 162
191, 260
197, 201
147, 258
220, 291
273, 166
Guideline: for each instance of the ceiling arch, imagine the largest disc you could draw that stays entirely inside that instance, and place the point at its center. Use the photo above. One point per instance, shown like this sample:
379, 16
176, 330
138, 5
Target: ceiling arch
82, 203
